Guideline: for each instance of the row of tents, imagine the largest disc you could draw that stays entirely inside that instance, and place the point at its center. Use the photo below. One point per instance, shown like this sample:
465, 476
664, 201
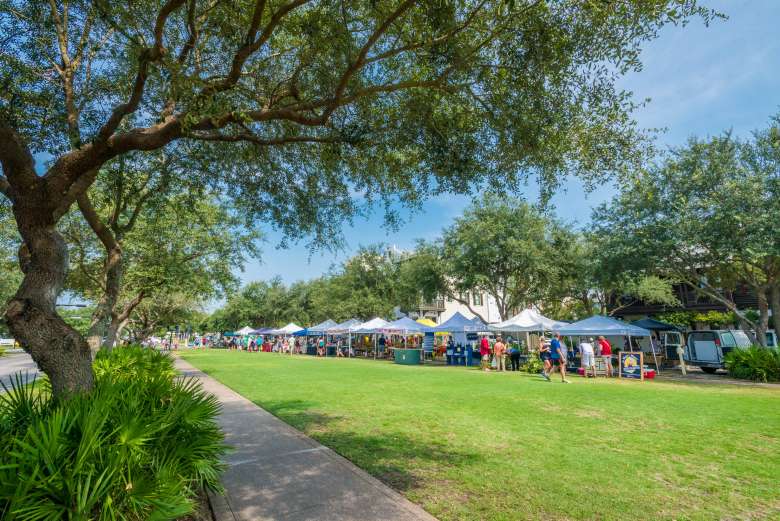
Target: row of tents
528, 320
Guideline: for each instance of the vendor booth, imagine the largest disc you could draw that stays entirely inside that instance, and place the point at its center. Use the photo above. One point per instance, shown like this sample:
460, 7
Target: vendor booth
344, 329
366, 336
614, 330
407, 352
319, 330
464, 334
666, 339
526, 322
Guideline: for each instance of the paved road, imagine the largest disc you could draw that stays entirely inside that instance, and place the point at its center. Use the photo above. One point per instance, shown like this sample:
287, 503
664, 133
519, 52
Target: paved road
277, 473
10, 364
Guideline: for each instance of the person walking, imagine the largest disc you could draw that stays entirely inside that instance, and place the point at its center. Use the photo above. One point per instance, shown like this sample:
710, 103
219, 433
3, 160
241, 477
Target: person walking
544, 354
484, 353
606, 354
587, 357
558, 356
499, 352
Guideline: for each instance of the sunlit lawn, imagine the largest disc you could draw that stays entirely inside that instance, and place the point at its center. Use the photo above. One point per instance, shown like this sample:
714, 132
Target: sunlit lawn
469, 445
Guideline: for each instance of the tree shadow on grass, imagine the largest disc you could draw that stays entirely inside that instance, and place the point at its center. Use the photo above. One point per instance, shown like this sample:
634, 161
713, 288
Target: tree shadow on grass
399, 460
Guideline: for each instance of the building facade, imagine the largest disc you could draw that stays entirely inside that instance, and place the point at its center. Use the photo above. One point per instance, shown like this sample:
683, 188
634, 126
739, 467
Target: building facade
442, 309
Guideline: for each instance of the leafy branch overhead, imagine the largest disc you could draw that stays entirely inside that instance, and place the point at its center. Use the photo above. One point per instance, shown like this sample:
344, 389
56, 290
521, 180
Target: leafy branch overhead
306, 98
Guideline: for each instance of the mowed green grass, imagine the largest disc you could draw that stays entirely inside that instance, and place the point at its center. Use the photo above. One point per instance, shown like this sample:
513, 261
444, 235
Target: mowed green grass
468, 445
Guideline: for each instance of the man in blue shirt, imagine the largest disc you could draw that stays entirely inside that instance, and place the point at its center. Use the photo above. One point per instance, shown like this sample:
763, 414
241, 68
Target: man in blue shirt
558, 356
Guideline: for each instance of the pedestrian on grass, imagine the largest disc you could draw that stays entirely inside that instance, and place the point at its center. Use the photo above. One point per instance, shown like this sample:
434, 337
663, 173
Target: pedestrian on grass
606, 354
499, 352
587, 357
544, 354
558, 356
484, 353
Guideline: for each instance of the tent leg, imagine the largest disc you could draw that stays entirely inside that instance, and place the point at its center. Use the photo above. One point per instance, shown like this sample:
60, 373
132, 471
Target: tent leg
655, 358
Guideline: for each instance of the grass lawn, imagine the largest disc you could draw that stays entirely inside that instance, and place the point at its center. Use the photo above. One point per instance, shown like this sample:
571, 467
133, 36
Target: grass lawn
503, 446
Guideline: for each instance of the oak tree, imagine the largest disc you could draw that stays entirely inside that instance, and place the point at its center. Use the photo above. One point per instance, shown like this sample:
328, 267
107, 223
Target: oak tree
294, 106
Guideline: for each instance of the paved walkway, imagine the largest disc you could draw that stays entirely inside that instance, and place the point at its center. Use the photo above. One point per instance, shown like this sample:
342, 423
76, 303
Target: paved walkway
276, 472
12, 363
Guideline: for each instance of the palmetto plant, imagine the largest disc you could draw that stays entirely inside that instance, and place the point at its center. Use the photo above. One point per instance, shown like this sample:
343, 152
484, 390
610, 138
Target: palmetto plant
139, 446
756, 363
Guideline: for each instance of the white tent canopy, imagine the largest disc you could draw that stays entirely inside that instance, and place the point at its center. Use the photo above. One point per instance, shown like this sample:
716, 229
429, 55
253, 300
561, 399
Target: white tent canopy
528, 320
289, 329
375, 325
344, 327
246, 330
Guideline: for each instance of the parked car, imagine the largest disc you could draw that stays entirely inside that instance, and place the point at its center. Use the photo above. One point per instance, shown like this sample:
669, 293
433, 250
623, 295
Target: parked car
707, 349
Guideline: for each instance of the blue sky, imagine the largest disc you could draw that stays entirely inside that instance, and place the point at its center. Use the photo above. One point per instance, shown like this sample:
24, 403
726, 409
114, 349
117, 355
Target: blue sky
701, 81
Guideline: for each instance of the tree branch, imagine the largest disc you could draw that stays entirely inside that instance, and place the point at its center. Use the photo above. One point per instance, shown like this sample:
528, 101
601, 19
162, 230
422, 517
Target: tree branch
147, 57
130, 306
360, 61
257, 140
252, 45
16, 159
94, 221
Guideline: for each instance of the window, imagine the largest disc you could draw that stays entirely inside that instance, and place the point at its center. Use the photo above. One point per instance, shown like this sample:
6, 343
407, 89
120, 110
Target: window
464, 296
477, 299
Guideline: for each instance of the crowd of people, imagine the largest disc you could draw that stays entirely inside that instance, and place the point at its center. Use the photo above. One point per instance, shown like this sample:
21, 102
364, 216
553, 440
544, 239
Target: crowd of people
554, 354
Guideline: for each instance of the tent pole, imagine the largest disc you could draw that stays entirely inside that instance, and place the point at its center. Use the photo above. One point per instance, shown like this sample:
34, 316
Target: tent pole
655, 359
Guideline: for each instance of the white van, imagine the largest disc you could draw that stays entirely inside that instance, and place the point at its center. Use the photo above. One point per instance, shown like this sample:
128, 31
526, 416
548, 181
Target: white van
707, 349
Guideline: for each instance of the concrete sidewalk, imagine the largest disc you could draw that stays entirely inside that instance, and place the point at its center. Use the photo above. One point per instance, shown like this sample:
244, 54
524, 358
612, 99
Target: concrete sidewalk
277, 473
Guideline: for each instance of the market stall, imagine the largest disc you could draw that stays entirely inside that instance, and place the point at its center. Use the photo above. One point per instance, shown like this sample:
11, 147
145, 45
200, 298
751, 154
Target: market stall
407, 353
611, 328
339, 330
666, 339
464, 333
528, 321
371, 327
319, 330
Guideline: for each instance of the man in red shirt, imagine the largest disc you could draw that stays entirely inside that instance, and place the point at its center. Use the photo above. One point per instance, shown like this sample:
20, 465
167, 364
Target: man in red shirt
484, 352
606, 354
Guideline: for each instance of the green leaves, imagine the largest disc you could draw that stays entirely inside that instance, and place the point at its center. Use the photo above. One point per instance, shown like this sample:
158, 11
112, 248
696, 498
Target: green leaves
138, 447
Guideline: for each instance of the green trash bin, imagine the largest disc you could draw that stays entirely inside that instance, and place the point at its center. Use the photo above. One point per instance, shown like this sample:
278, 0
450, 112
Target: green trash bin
407, 356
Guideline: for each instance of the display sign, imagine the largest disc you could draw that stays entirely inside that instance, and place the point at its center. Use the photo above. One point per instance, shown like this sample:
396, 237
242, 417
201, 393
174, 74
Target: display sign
631, 365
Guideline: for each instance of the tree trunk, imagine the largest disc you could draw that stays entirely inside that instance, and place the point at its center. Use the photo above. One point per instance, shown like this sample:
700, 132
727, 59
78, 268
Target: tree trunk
58, 349
774, 296
119, 320
98, 325
102, 319
763, 316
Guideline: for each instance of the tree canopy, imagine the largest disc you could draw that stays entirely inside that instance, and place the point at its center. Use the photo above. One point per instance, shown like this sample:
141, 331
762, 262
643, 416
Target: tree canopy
707, 215
294, 106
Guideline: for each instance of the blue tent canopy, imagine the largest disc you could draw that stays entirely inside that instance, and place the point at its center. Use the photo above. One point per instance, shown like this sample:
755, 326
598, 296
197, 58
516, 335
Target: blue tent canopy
460, 324
655, 325
408, 325
601, 325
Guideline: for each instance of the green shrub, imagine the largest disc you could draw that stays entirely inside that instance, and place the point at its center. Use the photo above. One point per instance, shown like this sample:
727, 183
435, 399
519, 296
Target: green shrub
140, 446
534, 365
759, 364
